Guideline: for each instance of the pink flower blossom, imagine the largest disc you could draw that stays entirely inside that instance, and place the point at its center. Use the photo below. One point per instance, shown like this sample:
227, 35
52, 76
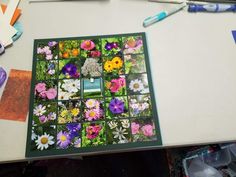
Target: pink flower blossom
115, 85
43, 119
49, 57
51, 93
87, 45
95, 53
92, 131
40, 50
135, 128
40, 87
147, 130
43, 94
122, 81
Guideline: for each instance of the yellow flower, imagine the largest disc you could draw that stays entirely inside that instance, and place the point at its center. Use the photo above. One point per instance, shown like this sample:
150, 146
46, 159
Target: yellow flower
64, 113
75, 111
117, 62
61, 120
108, 66
108, 85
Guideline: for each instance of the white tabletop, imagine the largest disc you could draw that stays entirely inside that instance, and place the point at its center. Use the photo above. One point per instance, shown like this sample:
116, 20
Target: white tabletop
192, 56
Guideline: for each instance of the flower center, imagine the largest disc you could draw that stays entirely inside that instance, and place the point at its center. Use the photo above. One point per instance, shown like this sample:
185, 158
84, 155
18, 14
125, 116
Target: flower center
63, 138
92, 114
117, 62
136, 85
87, 43
44, 140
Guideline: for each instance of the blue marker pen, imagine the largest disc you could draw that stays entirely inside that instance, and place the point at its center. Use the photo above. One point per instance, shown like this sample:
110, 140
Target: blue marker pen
212, 8
160, 16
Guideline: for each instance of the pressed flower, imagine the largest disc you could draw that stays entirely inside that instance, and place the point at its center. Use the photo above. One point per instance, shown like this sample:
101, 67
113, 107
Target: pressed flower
108, 66
87, 45
52, 116
40, 87
115, 85
117, 62
44, 141
74, 129
135, 128
120, 133
122, 81
51, 93
70, 85
125, 123
112, 124
147, 130
95, 53
63, 139
70, 70
117, 106
64, 113
108, 46
90, 103
92, 114
43, 119
75, 111
39, 110
92, 131
52, 43
91, 68
64, 95
136, 85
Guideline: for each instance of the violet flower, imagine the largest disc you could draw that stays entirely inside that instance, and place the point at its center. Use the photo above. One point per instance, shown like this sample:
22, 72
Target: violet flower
117, 106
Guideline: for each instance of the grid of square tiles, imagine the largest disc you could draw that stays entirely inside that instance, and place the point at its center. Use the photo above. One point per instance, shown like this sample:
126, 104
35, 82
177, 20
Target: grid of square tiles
91, 92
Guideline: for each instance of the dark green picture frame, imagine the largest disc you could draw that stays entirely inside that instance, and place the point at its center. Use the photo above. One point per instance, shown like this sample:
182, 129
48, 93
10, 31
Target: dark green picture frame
104, 148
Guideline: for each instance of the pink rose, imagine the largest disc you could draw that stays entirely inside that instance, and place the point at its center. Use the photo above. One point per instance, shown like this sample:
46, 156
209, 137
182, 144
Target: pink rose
43, 94
40, 87
95, 53
51, 93
122, 81
115, 85
134, 128
87, 45
147, 130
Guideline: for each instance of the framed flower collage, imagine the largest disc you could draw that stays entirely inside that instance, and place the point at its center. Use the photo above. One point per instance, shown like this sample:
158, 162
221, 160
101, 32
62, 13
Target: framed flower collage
91, 95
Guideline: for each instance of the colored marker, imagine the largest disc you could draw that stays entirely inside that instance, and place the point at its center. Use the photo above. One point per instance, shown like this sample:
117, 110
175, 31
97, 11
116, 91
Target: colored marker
160, 16
212, 8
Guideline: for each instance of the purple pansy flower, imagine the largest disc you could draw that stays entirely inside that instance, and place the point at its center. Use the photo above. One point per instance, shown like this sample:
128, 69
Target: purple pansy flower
117, 106
70, 69
73, 129
63, 139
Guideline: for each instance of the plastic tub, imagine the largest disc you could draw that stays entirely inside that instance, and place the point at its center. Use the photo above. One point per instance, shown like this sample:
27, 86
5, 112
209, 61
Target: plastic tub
198, 168
217, 159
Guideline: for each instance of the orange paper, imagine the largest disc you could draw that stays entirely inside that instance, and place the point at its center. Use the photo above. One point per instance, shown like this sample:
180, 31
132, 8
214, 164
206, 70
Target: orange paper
14, 103
16, 14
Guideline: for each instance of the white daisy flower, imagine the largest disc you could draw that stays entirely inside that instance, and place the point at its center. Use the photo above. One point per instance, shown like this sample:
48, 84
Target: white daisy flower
112, 124
72, 86
119, 133
44, 141
64, 95
39, 110
125, 123
136, 85
52, 116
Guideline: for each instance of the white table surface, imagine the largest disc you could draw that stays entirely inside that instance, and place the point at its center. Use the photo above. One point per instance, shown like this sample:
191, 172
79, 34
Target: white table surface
193, 62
